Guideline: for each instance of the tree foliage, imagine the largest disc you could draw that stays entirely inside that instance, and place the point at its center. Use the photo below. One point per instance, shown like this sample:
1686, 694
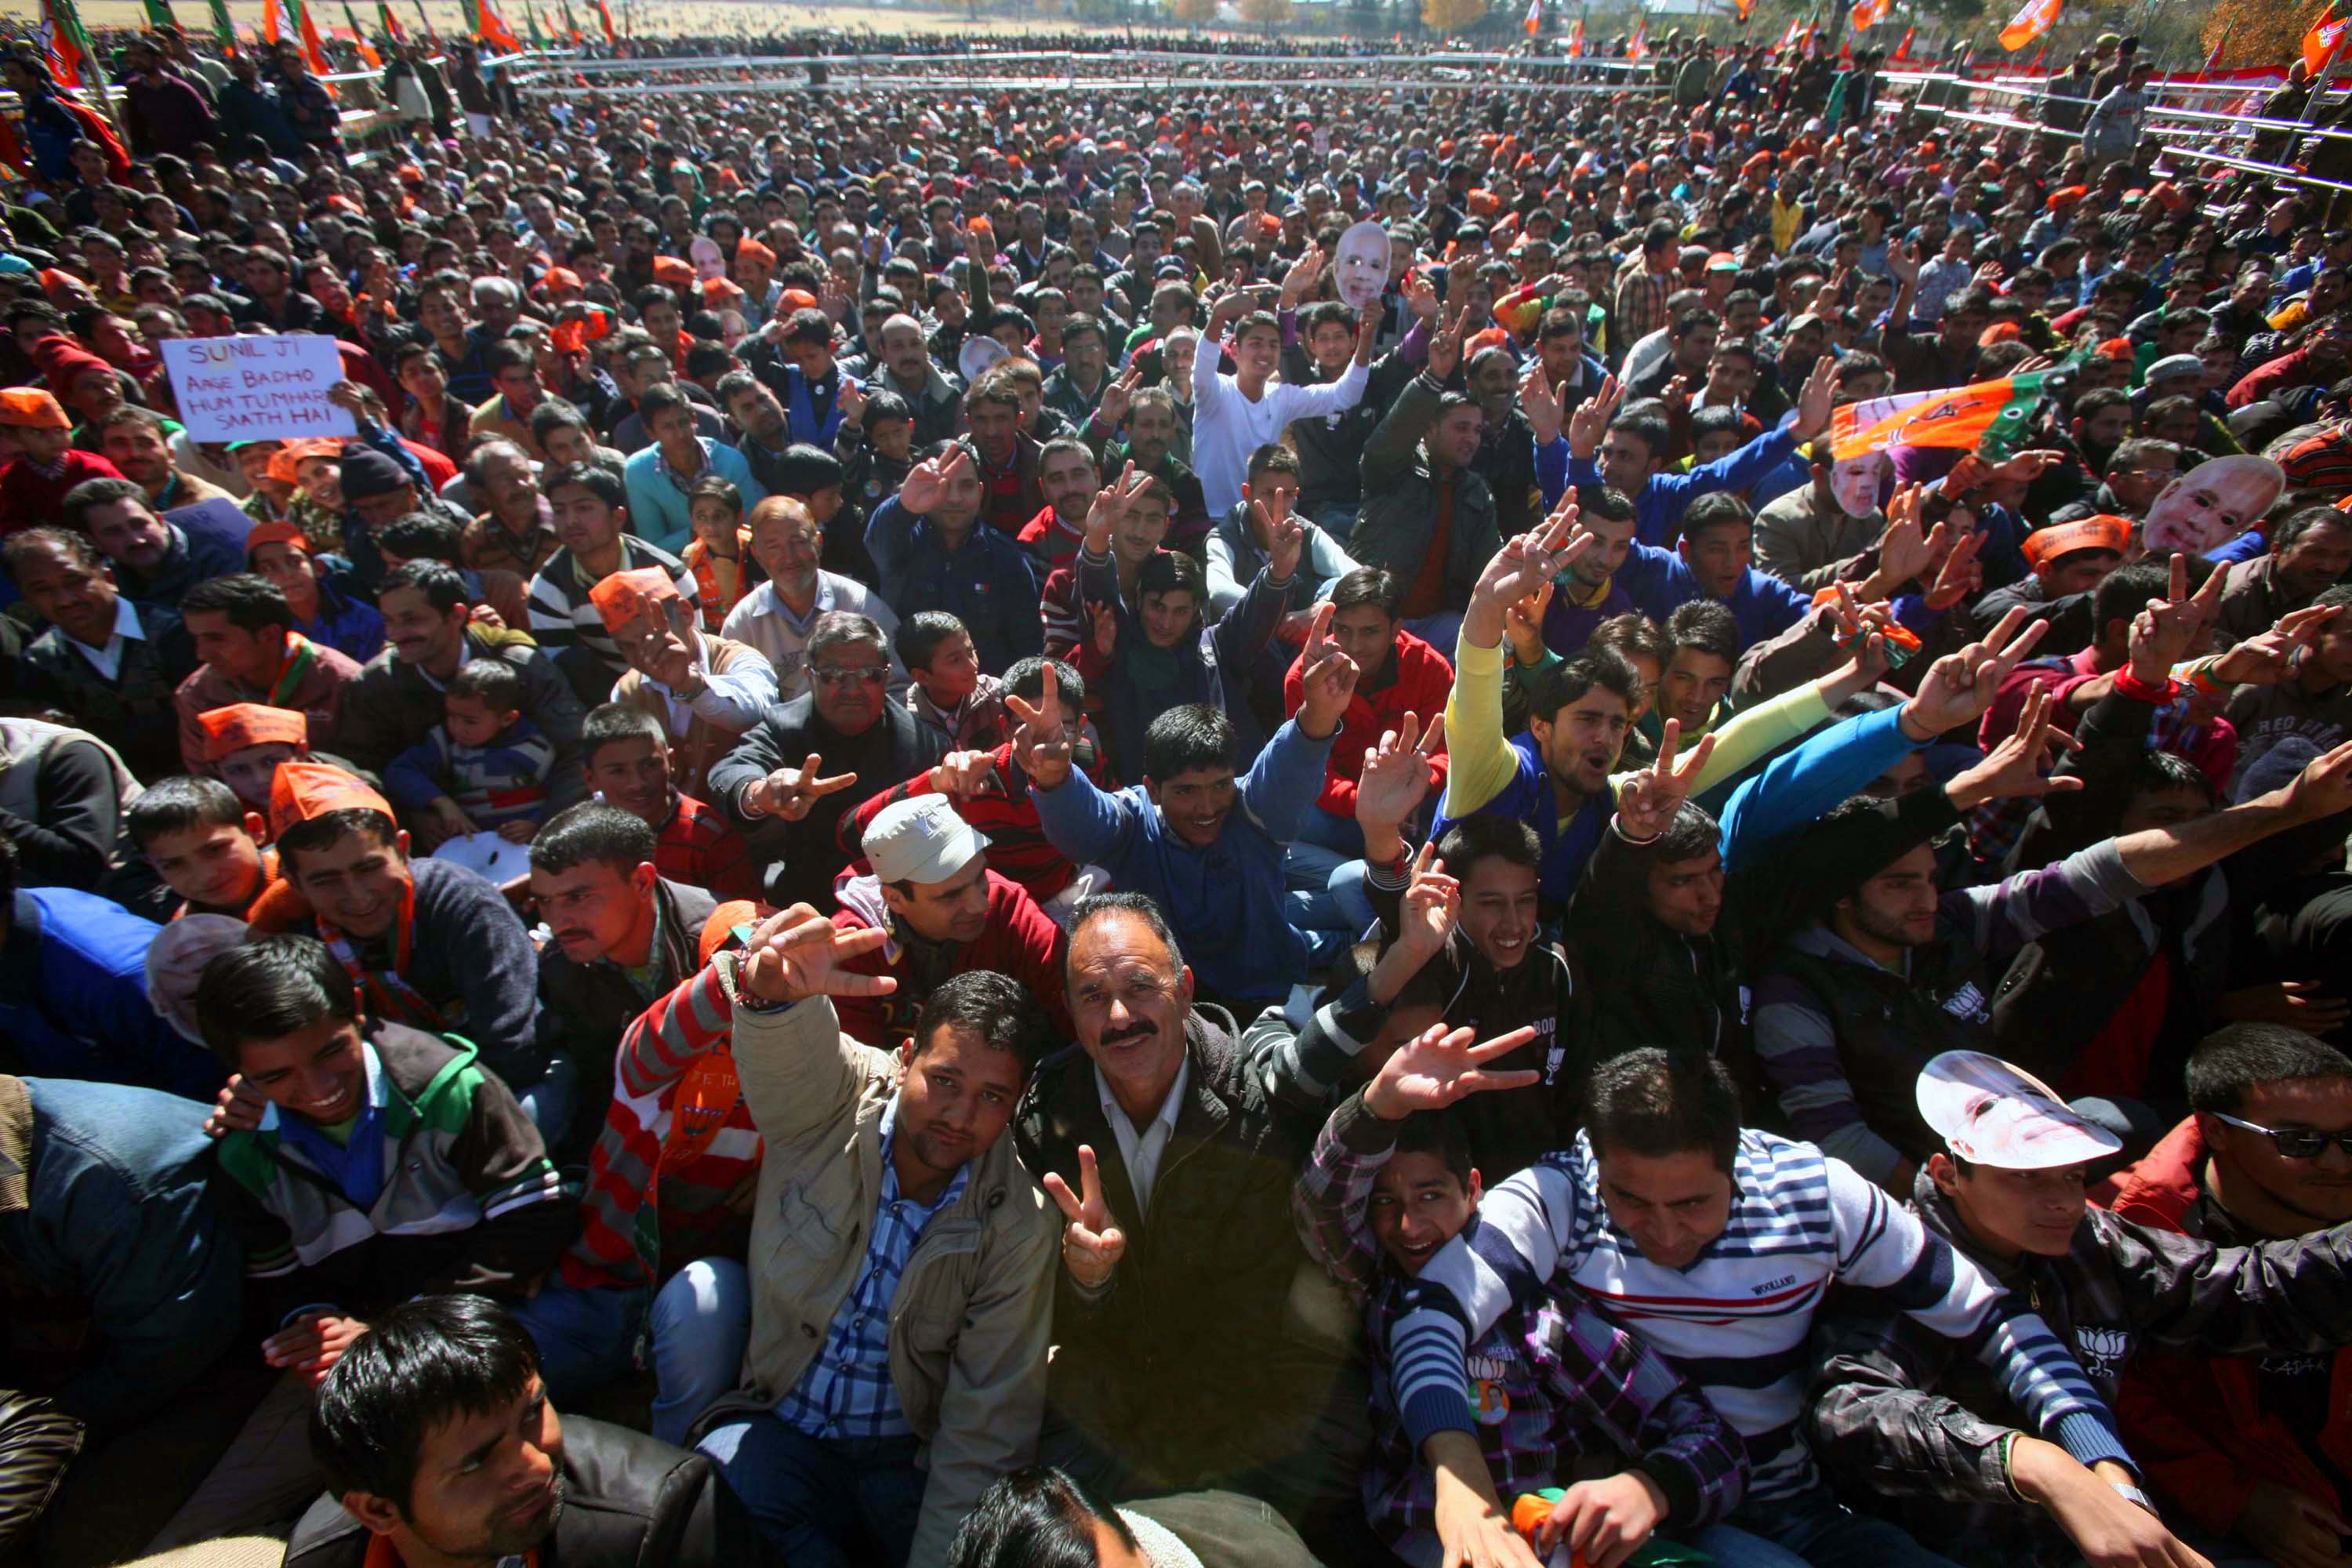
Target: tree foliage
1196, 12
1452, 15
2260, 32
1270, 15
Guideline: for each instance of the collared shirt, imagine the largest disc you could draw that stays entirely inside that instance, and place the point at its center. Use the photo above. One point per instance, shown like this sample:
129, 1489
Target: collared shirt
108, 660
847, 1391
1141, 1150
734, 698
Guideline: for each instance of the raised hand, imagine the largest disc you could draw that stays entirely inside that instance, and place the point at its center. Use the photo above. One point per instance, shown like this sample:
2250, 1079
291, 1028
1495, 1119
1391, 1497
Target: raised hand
1590, 423
1368, 335
793, 793
1431, 904
1040, 743
1327, 675
2026, 467
1442, 1066
1523, 623
1119, 397
1541, 404
1906, 547
1421, 297
1395, 777
797, 953
851, 401
1961, 574
1905, 261
1960, 686
2018, 767
1110, 505
1525, 563
1105, 632
2163, 632
2269, 658
1648, 801
1301, 280
1816, 400
1446, 347
1285, 546
1091, 1245
962, 774
925, 484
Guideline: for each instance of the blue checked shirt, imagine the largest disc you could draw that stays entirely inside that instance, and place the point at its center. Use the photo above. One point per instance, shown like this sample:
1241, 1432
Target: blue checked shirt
847, 1392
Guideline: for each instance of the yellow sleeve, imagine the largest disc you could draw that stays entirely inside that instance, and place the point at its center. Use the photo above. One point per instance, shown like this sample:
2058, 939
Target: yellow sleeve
1480, 762
1760, 732
1750, 736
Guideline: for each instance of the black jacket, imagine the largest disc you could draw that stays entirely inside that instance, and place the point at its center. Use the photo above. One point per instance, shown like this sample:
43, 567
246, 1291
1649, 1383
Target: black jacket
585, 1008
895, 746
1906, 1424
629, 1501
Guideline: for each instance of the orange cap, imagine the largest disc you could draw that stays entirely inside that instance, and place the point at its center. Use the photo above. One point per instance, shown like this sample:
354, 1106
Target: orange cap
672, 273
283, 463
28, 407
625, 596
277, 533
303, 791
795, 299
242, 724
2101, 533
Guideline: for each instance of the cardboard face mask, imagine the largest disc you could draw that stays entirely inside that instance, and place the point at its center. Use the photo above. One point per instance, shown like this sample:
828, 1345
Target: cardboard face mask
709, 260
2211, 504
1362, 266
1854, 483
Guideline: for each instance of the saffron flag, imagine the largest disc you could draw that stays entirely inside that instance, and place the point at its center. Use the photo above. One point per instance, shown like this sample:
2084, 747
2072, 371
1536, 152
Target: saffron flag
1903, 49
2326, 36
493, 29
1746, 6
571, 24
1534, 20
2214, 61
1845, 56
391, 23
62, 41
313, 49
1868, 13
1638, 45
1576, 40
224, 30
604, 15
1988, 418
2033, 18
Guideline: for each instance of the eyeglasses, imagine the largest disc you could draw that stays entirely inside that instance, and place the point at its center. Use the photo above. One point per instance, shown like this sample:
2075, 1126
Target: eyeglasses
2297, 1144
863, 674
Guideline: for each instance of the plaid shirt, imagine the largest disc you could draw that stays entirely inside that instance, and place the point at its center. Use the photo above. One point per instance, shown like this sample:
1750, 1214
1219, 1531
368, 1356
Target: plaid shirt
1640, 308
1553, 1380
847, 1392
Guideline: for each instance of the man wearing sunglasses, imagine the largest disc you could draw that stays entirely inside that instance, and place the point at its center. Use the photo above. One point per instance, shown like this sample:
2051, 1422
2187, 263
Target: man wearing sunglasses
1907, 1420
783, 783
2257, 1449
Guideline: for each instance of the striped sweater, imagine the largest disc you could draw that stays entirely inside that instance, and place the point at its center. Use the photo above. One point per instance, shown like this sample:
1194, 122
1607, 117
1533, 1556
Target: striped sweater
467, 1202
677, 1140
1737, 1320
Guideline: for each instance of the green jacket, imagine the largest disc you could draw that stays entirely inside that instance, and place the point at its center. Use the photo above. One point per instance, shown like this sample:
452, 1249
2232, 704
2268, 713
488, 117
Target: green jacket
469, 1202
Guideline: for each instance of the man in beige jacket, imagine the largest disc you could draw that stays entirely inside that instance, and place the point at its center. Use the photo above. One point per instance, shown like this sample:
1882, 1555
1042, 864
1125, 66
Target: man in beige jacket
901, 1258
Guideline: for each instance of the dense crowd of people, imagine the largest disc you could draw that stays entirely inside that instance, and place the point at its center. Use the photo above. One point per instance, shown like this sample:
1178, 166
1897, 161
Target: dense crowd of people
1587, 822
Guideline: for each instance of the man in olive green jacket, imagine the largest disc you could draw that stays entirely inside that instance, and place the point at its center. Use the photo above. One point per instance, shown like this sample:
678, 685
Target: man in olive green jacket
901, 1258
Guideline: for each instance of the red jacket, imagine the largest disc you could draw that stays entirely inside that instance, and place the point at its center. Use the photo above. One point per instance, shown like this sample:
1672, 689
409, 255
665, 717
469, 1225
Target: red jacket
1423, 680
1021, 941
2197, 1424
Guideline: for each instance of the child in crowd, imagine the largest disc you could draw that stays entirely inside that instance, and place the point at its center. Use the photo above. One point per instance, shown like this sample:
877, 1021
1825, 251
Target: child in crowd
949, 692
205, 844
484, 767
625, 753
719, 553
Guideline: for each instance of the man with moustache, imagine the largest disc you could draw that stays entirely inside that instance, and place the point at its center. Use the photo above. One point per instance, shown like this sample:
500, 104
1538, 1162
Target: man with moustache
624, 935
1172, 1168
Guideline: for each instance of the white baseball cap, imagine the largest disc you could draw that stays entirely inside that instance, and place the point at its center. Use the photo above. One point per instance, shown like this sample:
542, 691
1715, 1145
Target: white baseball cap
921, 840
1992, 1113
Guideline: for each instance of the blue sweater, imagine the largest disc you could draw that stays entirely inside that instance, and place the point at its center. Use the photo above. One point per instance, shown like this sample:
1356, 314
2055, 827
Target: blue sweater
73, 997
1225, 902
1660, 581
985, 582
1663, 501
658, 509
